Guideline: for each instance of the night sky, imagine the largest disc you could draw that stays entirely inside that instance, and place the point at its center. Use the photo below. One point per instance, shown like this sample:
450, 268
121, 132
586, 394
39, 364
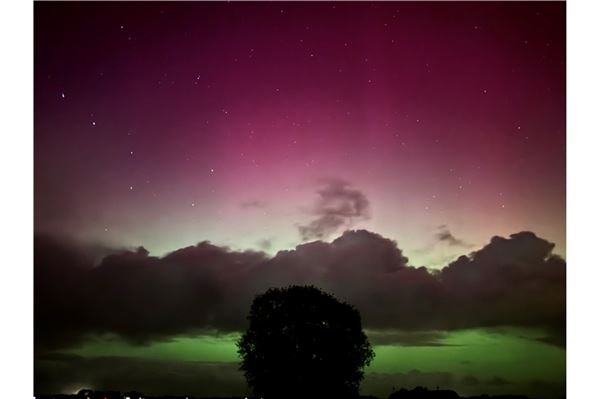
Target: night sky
360, 147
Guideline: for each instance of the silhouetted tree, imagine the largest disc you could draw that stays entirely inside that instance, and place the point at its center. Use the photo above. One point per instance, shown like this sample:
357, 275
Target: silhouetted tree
302, 342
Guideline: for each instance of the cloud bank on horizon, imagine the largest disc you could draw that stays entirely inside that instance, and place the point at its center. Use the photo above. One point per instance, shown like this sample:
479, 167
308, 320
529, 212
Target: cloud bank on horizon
514, 281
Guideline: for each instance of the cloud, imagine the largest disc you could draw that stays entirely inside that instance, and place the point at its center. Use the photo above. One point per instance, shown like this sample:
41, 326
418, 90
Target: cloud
445, 245
557, 338
444, 235
407, 338
130, 293
514, 281
338, 206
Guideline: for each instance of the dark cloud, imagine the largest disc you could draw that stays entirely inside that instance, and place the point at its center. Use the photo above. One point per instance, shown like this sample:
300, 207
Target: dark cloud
254, 204
407, 338
513, 281
338, 206
444, 235
130, 293
557, 338
445, 245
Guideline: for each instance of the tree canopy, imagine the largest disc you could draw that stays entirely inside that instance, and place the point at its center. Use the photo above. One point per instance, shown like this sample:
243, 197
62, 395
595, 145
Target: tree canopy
303, 342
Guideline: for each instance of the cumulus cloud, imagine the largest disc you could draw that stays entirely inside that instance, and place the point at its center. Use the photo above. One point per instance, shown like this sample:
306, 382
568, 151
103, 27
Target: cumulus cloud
130, 293
338, 206
514, 281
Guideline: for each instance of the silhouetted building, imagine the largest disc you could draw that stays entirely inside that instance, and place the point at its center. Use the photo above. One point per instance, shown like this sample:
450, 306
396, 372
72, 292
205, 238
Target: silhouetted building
424, 393
133, 395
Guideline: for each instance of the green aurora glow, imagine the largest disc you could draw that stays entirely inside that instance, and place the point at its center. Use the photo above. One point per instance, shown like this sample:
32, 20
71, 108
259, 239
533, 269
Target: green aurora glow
512, 355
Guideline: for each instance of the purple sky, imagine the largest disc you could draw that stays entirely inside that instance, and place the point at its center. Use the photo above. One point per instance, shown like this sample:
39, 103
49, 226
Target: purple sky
164, 125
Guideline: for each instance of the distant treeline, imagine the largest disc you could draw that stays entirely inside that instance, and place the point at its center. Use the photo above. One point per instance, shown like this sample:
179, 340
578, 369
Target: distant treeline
416, 393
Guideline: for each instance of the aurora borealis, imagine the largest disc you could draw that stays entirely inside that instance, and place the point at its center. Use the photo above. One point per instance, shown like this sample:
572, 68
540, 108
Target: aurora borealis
360, 147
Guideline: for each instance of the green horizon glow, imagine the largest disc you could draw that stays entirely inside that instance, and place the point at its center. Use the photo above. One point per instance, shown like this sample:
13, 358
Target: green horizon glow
509, 353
